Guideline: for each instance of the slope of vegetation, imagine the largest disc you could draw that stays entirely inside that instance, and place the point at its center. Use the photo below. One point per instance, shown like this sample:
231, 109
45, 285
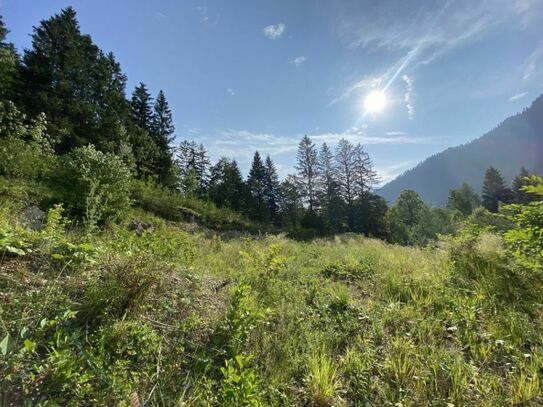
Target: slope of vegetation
166, 317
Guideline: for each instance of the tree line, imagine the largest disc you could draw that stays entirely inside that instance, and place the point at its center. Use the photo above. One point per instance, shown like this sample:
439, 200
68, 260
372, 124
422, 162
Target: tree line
331, 191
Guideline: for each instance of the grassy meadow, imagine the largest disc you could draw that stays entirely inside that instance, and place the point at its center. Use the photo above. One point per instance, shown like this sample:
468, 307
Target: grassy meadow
181, 316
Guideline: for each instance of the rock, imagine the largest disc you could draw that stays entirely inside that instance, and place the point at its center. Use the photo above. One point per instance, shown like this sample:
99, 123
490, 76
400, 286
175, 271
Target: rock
139, 226
34, 218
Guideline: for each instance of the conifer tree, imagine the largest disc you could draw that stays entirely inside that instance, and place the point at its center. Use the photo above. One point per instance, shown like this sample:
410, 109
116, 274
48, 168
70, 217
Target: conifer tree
162, 132
330, 200
365, 175
346, 169
290, 202
495, 190
271, 188
226, 184
256, 187
113, 111
192, 160
307, 171
8, 64
464, 199
141, 106
66, 76
519, 195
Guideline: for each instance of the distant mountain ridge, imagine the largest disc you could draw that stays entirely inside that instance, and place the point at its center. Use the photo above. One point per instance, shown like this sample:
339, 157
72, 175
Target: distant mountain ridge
516, 142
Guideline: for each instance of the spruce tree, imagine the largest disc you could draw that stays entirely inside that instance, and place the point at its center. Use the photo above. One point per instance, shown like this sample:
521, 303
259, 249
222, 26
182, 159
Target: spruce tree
255, 189
519, 195
464, 199
290, 202
345, 162
192, 160
226, 184
141, 106
307, 171
8, 65
330, 200
271, 188
162, 132
66, 76
494, 190
365, 175
113, 111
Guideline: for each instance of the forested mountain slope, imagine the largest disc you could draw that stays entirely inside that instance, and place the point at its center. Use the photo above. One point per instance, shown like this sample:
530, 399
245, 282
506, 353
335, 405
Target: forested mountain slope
516, 142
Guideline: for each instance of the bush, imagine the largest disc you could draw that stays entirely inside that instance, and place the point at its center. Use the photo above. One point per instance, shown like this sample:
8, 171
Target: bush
94, 186
25, 150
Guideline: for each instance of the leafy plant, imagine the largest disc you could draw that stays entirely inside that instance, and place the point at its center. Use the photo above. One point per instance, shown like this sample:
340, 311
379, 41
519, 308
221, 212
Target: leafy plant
239, 386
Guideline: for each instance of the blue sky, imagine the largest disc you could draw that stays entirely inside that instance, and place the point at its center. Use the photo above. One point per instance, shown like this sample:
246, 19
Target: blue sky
247, 75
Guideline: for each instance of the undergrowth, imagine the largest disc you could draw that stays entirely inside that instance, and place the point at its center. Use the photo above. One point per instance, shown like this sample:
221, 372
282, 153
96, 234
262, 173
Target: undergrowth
167, 317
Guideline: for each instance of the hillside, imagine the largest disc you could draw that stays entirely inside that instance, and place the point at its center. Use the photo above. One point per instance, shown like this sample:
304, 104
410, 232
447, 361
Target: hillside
516, 142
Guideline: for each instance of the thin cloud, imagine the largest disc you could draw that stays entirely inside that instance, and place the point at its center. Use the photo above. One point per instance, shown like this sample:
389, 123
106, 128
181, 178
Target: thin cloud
365, 83
428, 34
274, 31
231, 91
204, 16
517, 96
409, 96
389, 172
242, 144
160, 15
298, 60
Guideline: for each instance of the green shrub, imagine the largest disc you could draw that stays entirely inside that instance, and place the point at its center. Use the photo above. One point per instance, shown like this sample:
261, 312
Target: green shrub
25, 150
240, 383
94, 186
525, 240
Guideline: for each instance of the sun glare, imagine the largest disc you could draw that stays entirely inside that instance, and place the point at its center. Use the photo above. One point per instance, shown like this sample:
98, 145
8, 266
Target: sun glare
375, 101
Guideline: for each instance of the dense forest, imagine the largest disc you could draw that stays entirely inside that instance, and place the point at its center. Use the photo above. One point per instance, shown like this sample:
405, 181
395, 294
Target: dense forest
135, 270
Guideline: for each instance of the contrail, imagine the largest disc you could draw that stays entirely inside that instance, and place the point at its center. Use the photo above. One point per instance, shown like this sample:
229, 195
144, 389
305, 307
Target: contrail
415, 50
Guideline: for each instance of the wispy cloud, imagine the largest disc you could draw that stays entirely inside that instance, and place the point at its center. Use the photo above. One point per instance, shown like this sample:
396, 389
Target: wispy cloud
432, 30
245, 142
517, 96
241, 144
205, 16
438, 25
533, 65
274, 31
387, 173
231, 91
160, 15
194, 131
365, 83
298, 60
409, 96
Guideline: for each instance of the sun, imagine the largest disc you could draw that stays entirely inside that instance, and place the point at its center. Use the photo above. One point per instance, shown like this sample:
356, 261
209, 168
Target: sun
375, 101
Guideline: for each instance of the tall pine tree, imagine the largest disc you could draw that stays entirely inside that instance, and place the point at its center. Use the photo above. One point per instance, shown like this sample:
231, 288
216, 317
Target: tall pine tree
8, 65
226, 186
306, 165
520, 181
330, 201
271, 189
495, 190
141, 105
255, 189
66, 76
163, 134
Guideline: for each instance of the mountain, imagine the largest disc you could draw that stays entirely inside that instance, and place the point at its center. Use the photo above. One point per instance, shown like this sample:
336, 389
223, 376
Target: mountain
516, 142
